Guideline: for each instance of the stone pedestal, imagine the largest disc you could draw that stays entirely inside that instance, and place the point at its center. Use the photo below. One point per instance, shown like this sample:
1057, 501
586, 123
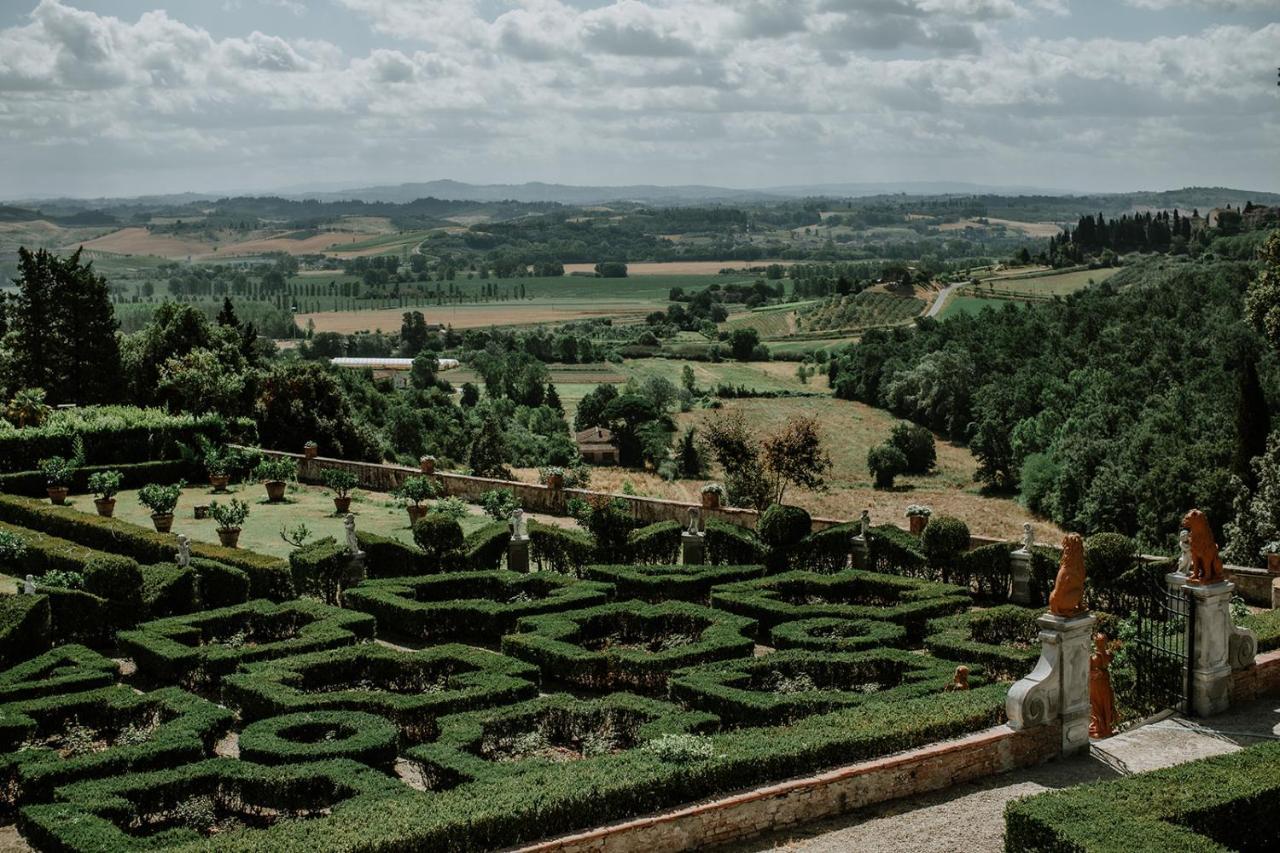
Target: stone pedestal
693, 548
858, 553
518, 554
1211, 656
1058, 687
1020, 577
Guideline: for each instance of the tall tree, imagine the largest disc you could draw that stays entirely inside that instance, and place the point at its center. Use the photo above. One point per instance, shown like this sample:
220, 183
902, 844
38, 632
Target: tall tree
1253, 424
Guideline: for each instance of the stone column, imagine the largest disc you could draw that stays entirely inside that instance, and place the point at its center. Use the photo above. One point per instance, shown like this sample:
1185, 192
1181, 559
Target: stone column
1020, 577
1057, 690
1210, 687
859, 553
518, 547
693, 548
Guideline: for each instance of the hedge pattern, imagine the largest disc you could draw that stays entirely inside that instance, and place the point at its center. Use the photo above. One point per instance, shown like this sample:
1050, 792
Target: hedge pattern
670, 582
837, 635
483, 550
410, 688
168, 589
892, 550
656, 544
26, 627
66, 669
469, 605
1005, 639
559, 549
32, 483
321, 736
628, 645
203, 647
729, 544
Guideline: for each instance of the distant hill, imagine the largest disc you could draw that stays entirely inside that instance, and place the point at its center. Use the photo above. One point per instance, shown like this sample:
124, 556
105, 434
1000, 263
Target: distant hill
540, 192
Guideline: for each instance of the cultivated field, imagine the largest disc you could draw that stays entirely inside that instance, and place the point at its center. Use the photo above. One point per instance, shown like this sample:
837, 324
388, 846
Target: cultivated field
140, 241
1031, 229
680, 267
468, 316
1002, 290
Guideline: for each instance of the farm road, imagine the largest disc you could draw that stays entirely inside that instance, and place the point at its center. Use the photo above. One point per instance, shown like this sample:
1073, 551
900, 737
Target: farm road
936, 308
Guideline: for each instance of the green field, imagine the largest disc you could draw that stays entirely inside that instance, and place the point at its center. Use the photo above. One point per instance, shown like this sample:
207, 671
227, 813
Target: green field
1021, 290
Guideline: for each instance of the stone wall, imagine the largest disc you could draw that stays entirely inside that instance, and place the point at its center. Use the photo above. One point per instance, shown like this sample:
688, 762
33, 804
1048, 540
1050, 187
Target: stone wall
1260, 681
797, 801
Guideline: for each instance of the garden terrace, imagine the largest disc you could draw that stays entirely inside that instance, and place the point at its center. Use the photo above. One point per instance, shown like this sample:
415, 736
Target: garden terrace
663, 583
628, 645
66, 669
205, 646
469, 605
837, 635
1228, 802
321, 736
849, 595
58, 739
232, 804
410, 688
785, 686
1004, 639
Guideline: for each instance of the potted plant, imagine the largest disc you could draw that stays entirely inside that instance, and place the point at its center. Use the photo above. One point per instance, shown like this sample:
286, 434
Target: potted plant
711, 495
918, 517
1272, 552
218, 464
58, 473
310, 450
229, 517
161, 500
274, 473
552, 477
341, 482
414, 491
105, 485
427, 464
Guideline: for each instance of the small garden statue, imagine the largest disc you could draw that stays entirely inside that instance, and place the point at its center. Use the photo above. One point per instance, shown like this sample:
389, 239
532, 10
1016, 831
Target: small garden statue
353, 544
693, 521
960, 681
1102, 700
29, 585
184, 550
1028, 537
865, 524
1184, 551
517, 523
1206, 565
1067, 598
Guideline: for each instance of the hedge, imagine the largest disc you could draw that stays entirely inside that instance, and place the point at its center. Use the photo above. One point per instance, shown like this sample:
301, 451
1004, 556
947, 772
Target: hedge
892, 550
1227, 802
483, 550
78, 616
837, 635
729, 544
26, 627
559, 549
204, 646
269, 577
410, 688
628, 645
32, 483
825, 550
66, 669
321, 736
670, 582
168, 589
852, 594
656, 544
324, 805
161, 729
786, 686
1005, 639
986, 569
1044, 570
46, 553
469, 605
323, 569
219, 585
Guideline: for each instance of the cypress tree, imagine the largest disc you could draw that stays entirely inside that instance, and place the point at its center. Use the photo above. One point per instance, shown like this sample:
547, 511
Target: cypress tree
1253, 423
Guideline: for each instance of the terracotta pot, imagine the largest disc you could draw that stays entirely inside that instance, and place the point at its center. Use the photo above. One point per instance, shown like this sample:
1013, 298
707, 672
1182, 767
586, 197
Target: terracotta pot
310, 451
57, 495
106, 506
275, 490
918, 523
710, 500
219, 481
428, 466
415, 513
555, 482
201, 511
228, 536
1273, 564
163, 523
341, 506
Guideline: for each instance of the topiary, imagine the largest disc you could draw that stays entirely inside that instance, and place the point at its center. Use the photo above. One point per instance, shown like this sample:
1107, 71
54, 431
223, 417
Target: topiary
1107, 557
440, 538
943, 541
782, 526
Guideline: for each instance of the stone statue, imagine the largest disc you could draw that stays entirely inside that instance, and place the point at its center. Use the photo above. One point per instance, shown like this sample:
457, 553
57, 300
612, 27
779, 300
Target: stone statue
865, 523
29, 585
1028, 537
1184, 549
517, 523
184, 550
693, 520
353, 544
960, 681
1206, 565
1102, 700
1067, 598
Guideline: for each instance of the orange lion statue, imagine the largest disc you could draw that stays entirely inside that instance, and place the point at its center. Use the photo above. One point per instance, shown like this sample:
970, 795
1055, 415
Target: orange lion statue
1206, 565
1067, 598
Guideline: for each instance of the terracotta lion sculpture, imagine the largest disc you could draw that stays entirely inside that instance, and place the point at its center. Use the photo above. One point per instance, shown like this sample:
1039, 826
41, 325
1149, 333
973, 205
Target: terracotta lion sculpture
1206, 565
1067, 598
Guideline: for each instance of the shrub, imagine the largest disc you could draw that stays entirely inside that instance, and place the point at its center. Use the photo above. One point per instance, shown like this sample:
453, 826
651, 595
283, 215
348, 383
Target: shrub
417, 489
321, 736
451, 507
168, 589
161, 500
279, 469
411, 689
885, 462
943, 541
1266, 624
729, 544
26, 627
57, 471
440, 538
106, 484
219, 585
119, 581
1005, 640
657, 544
77, 616
560, 550
628, 645
1107, 557
680, 749
498, 504
837, 635
824, 550
669, 582
324, 569
229, 516
13, 549
484, 549
916, 444
339, 481
783, 526
469, 605
987, 568
66, 669
893, 551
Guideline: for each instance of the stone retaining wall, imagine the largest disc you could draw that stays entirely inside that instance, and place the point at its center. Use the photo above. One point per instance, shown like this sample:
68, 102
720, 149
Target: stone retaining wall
1260, 681
797, 801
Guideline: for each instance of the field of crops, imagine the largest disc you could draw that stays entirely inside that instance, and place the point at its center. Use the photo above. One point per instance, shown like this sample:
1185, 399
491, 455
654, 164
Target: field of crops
862, 310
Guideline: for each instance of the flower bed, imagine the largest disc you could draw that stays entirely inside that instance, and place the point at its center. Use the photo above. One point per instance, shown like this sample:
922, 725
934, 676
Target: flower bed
205, 646
1005, 639
662, 583
628, 645
410, 688
66, 669
837, 635
470, 605
786, 686
321, 736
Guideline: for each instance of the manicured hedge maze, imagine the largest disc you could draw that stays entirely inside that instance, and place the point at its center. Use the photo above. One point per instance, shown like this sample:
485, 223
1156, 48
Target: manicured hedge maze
628, 645
469, 605
848, 595
66, 669
321, 736
1005, 639
409, 688
664, 583
785, 686
205, 646
837, 635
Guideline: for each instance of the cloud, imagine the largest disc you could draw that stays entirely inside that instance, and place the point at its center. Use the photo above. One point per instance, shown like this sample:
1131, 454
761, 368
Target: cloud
1212, 5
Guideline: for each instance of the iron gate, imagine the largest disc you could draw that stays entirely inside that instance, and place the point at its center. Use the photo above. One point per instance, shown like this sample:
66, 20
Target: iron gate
1162, 647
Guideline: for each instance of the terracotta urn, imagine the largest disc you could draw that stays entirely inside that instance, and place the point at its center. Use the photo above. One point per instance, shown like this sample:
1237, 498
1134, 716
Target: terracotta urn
163, 523
219, 481
201, 511
341, 506
275, 490
105, 506
1273, 564
918, 523
57, 495
311, 451
415, 513
428, 465
228, 536
710, 500
555, 482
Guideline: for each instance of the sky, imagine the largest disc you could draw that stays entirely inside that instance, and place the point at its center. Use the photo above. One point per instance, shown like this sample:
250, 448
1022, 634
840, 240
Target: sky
132, 97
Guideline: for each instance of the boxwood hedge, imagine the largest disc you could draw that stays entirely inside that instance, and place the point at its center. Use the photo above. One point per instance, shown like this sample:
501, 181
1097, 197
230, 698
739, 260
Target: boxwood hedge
203, 647
670, 582
730, 544
893, 551
321, 736
837, 635
785, 686
66, 669
482, 550
473, 605
559, 549
137, 474
850, 594
1228, 802
168, 589
53, 740
1004, 639
26, 626
628, 645
410, 688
